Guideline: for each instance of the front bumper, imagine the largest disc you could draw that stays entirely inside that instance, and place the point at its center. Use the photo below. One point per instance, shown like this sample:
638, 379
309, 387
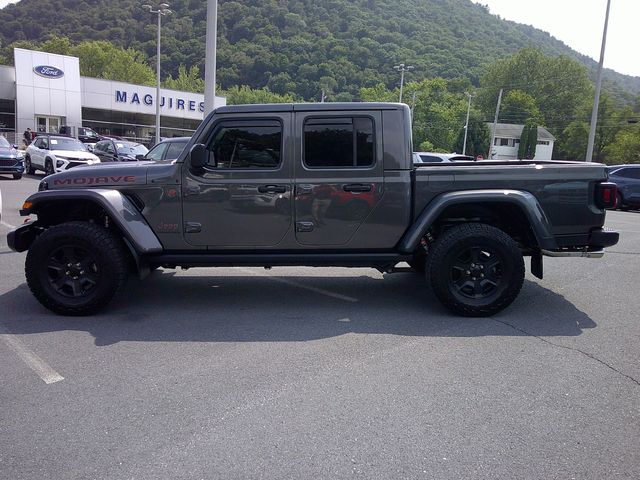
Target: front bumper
63, 164
17, 167
19, 239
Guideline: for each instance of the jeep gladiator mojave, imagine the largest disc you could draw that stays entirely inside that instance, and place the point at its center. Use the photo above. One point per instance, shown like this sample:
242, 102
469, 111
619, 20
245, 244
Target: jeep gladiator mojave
315, 185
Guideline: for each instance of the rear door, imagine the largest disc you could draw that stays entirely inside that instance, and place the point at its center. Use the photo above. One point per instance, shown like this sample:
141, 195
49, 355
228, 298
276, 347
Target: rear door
338, 174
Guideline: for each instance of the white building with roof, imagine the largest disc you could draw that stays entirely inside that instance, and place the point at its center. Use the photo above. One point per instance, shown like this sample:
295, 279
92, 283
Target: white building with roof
507, 141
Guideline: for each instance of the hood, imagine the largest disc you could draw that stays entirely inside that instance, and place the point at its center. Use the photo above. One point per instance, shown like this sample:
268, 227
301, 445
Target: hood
112, 174
75, 155
9, 152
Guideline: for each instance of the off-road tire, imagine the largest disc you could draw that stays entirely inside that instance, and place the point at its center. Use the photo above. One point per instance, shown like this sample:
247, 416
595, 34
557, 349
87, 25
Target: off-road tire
462, 290
109, 268
28, 166
17, 176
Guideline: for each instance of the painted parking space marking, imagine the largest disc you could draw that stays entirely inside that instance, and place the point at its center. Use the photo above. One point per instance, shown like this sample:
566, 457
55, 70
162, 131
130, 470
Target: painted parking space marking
285, 281
8, 225
33, 361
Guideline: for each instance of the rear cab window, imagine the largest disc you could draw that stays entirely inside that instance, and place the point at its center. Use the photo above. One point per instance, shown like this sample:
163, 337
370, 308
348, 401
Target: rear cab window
339, 142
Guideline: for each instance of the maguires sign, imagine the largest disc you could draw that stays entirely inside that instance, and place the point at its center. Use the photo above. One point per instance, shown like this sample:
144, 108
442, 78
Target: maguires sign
48, 71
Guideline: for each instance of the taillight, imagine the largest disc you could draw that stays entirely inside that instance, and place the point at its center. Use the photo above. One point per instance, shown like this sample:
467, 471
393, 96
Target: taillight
606, 193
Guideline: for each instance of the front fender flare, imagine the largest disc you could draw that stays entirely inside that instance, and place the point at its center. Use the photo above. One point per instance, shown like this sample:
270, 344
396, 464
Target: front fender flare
119, 208
524, 200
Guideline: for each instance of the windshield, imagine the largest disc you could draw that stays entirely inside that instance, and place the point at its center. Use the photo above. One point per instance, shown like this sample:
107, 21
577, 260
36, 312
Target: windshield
71, 144
4, 143
132, 149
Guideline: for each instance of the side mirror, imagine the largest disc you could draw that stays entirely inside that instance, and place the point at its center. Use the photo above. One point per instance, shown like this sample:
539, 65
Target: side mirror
139, 157
15, 146
199, 156
89, 148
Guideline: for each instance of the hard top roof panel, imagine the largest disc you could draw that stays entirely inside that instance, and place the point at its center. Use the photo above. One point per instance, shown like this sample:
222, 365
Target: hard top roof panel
310, 107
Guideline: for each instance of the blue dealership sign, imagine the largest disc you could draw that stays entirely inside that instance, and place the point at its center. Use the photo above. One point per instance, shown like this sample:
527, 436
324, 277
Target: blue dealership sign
48, 71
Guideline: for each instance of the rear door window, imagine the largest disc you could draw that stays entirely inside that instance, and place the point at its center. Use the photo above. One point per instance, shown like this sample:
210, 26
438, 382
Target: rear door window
342, 142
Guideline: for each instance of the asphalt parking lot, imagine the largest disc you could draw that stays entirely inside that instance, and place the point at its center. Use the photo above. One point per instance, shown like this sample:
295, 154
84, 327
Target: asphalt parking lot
323, 373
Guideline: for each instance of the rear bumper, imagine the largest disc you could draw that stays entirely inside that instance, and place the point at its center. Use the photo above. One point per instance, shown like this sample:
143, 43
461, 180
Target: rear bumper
598, 240
602, 238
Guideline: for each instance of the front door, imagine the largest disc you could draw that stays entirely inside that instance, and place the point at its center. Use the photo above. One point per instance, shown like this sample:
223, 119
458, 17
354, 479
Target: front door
242, 198
339, 174
47, 124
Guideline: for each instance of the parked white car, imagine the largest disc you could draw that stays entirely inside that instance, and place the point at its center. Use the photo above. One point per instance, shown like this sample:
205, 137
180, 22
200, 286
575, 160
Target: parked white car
434, 157
56, 153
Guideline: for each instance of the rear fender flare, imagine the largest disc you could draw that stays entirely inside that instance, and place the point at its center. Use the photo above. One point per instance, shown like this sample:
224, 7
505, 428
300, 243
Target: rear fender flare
119, 208
524, 200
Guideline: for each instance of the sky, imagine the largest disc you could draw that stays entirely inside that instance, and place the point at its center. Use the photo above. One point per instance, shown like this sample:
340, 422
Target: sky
579, 24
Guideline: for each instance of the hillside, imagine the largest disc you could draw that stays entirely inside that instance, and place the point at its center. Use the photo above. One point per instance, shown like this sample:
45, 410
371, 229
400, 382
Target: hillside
303, 46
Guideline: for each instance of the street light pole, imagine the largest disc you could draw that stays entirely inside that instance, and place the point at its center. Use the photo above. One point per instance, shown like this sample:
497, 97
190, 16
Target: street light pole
163, 9
596, 101
210, 57
466, 125
402, 68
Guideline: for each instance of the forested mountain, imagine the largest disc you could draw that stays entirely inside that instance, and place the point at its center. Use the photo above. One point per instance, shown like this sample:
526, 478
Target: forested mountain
303, 46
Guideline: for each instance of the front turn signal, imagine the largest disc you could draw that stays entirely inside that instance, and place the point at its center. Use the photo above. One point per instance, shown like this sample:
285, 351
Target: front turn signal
27, 206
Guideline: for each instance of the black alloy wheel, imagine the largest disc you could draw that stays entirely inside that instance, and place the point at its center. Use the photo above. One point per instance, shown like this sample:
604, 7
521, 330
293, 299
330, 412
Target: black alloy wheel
475, 270
72, 271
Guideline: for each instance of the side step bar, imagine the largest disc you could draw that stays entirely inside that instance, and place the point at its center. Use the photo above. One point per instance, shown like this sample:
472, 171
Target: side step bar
581, 254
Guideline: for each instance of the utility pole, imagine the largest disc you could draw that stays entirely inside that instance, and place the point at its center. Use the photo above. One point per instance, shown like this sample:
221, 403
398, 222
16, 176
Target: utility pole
210, 57
495, 125
413, 104
466, 125
596, 101
163, 9
402, 68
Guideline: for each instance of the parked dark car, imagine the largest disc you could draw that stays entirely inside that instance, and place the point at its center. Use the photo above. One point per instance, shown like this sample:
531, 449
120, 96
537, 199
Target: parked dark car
627, 177
169, 149
11, 159
111, 150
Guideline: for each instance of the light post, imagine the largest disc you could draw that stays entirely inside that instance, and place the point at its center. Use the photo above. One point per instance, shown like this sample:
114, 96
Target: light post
402, 68
162, 9
596, 101
210, 57
466, 125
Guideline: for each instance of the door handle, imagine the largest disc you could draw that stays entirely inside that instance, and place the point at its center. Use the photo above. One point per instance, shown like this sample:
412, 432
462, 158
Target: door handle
356, 187
272, 189
304, 189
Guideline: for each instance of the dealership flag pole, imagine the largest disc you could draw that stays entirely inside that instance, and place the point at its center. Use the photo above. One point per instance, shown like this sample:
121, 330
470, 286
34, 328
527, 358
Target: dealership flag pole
210, 57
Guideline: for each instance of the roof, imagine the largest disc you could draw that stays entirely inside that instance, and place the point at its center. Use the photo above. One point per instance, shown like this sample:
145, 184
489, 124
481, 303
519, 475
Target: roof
509, 130
305, 107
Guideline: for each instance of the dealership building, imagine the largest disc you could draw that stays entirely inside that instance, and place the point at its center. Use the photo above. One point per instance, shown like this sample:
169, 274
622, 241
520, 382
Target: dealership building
45, 91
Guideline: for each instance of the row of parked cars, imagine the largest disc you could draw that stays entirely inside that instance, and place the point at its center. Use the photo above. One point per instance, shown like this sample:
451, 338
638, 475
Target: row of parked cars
51, 153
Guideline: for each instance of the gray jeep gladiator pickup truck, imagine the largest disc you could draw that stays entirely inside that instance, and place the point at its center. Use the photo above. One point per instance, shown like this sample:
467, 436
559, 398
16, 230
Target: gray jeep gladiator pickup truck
316, 185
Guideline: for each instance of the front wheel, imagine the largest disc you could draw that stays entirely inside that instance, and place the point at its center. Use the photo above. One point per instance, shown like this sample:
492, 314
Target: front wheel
76, 268
28, 166
475, 270
17, 176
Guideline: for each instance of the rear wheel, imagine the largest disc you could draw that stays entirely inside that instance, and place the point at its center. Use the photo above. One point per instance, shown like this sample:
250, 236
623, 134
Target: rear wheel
475, 270
17, 176
76, 268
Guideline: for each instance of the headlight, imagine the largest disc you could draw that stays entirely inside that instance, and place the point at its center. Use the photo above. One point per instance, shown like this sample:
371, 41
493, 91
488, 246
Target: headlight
19, 156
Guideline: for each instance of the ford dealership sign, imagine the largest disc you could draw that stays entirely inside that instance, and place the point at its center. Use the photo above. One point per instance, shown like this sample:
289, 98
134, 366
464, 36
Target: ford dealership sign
47, 71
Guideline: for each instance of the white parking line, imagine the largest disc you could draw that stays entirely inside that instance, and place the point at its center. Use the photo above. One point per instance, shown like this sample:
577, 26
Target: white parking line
33, 361
321, 291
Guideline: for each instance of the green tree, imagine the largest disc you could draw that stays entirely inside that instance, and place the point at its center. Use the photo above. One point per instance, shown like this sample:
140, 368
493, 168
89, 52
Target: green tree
186, 81
528, 140
245, 95
518, 107
478, 138
101, 59
625, 148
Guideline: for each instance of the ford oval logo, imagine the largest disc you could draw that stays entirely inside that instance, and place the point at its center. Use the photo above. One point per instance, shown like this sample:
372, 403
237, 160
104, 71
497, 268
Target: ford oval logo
48, 71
